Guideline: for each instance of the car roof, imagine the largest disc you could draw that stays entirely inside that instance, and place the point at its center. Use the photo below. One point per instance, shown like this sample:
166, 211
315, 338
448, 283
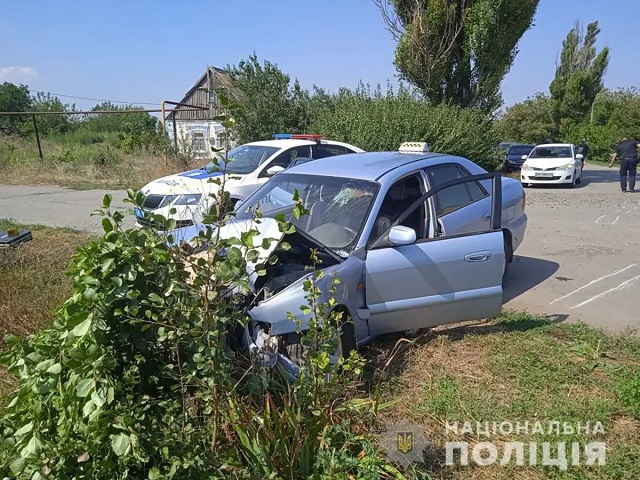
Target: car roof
554, 145
363, 166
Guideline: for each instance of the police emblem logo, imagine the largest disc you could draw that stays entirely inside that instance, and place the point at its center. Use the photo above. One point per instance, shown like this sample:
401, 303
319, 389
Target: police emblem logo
404, 442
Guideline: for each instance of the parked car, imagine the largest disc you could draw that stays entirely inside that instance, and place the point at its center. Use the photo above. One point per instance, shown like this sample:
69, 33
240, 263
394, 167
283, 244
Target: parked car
552, 163
249, 166
417, 239
513, 157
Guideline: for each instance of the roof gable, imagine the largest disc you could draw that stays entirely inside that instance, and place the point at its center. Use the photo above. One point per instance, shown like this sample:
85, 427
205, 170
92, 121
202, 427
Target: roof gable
198, 95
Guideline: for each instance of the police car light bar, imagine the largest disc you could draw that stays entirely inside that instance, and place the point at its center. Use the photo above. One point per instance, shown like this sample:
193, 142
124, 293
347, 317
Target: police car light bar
414, 147
297, 136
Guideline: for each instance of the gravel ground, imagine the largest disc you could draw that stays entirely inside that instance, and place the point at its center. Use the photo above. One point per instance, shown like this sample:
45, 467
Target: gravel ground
580, 259
581, 256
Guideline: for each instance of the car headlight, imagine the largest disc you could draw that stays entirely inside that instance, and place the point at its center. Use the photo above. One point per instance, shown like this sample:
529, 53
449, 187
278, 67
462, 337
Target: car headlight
189, 199
568, 166
526, 167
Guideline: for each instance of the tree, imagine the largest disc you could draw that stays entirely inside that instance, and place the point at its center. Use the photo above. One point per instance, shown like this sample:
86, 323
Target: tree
528, 122
130, 123
52, 124
457, 51
270, 105
579, 75
14, 98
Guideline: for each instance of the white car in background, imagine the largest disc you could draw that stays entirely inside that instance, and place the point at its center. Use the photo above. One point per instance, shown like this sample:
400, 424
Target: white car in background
552, 164
249, 166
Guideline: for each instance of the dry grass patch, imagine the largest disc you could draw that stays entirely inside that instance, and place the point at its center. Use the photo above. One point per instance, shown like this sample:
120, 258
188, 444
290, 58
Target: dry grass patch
132, 172
33, 276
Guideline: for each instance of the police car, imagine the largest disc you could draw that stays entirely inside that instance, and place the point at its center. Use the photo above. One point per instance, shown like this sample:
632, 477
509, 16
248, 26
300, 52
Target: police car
248, 167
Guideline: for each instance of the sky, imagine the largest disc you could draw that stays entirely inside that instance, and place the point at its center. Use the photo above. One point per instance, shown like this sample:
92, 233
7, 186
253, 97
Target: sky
146, 51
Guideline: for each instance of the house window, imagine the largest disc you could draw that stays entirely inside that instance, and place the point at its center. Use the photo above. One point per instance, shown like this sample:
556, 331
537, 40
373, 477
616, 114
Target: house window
198, 143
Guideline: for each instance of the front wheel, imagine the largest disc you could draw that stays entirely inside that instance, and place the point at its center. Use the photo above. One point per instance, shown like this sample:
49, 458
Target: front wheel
346, 344
573, 180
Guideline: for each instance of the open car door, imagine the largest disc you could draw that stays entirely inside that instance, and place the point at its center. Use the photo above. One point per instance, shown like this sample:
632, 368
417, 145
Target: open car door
442, 279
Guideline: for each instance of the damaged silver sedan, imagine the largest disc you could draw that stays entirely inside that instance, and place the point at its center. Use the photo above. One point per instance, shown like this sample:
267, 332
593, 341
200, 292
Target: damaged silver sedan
417, 240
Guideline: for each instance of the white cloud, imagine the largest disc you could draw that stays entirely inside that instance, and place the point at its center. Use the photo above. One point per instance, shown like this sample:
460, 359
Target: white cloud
17, 74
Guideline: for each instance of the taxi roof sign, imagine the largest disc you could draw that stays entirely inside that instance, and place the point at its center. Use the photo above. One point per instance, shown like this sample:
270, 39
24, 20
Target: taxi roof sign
414, 147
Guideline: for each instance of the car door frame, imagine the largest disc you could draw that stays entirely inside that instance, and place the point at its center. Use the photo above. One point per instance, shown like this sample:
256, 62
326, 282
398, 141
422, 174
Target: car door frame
454, 215
262, 173
379, 313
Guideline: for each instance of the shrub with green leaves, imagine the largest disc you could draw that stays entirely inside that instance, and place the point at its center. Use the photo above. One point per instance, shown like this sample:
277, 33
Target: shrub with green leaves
381, 122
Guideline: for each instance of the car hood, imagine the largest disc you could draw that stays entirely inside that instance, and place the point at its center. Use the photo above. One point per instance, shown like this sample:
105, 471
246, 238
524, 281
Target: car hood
192, 181
549, 162
265, 242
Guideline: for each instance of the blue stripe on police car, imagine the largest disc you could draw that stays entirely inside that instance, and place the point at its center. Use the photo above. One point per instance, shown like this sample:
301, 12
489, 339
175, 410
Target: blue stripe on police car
200, 174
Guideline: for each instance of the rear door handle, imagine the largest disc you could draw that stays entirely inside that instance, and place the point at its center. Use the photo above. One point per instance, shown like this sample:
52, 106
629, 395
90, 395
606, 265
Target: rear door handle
478, 257
487, 216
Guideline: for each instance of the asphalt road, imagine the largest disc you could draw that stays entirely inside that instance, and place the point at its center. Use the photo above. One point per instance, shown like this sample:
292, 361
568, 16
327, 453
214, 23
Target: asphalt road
580, 259
581, 256
56, 206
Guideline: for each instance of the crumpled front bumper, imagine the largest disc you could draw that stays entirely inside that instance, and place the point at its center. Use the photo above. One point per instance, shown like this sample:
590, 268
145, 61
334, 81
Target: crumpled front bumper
264, 353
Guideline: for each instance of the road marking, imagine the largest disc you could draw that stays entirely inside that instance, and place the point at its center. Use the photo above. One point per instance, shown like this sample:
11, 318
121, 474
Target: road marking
592, 282
611, 290
599, 218
628, 211
614, 222
618, 210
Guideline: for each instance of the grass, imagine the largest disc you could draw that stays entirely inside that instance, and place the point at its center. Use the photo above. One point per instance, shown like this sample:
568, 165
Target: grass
82, 165
517, 368
33, 283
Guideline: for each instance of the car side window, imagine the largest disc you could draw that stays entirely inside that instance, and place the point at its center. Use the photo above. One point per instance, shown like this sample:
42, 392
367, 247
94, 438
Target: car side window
324, 151
397, 200
286, 158
453, 198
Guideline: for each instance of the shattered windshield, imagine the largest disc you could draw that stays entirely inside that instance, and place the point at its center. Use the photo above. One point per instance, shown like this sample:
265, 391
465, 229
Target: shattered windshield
338, 207
244, 159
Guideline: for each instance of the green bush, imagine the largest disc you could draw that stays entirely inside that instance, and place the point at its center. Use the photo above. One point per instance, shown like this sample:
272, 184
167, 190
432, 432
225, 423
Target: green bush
138, 377
377, 122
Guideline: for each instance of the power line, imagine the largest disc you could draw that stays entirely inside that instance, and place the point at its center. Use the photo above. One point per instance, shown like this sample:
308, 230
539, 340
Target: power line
95, 99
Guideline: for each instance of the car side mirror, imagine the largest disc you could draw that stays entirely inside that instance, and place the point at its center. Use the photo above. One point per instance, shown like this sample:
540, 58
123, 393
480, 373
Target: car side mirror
401, 235
524, 157
276, 169
579, 156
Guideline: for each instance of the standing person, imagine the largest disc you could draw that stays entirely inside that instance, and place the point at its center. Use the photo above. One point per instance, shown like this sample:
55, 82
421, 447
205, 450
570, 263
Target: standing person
583, 149
627, 151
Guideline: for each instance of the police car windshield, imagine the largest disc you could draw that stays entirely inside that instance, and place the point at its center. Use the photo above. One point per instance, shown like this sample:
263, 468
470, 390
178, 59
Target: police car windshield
551, 152
244, 159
